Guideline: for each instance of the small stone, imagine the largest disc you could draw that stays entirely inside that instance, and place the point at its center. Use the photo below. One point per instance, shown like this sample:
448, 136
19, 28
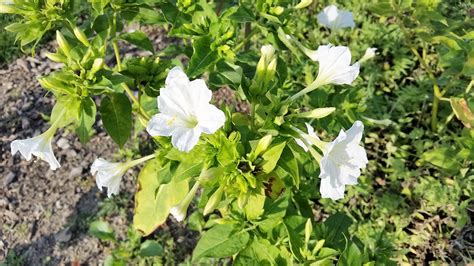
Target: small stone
75, 172
63, 236
25, 123
63, 144
8, 179
23, 64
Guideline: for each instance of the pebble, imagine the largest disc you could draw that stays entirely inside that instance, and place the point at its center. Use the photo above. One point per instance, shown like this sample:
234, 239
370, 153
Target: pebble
63, 236
8, 178
63, 143
75, 172
23, 64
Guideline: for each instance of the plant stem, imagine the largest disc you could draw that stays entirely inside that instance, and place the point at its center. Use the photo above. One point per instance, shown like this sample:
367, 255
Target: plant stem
129, 92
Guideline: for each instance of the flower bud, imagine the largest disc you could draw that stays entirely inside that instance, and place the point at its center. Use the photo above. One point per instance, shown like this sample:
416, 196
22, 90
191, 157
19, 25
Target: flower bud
58, 58
213, 201
369, 54
81, 36
63, 44
262, 146
98, 64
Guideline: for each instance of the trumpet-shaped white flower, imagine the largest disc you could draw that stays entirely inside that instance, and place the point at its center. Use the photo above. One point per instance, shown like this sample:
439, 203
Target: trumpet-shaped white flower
185, 111
108, 174
341, 163
369, 53
335, 19
39, 146
334, 67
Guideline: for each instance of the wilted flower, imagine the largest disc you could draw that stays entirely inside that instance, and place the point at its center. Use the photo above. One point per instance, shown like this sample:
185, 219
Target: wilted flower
341, 163
109, 174
185, 111
369, 53
39, 146
335, 19
334, 67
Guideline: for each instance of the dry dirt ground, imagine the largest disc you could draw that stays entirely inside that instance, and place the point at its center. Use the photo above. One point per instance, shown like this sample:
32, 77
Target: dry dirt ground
45, 214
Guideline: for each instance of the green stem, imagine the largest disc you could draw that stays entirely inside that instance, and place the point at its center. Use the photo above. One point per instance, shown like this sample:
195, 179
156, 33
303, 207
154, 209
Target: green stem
129, 92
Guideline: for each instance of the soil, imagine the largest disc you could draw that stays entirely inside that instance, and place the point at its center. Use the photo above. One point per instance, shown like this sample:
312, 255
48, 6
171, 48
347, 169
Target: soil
45, 214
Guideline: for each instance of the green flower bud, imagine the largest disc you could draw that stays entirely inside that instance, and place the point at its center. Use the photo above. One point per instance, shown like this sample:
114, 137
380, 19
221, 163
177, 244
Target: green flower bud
81, 36
213, 201
56, 57
98, 64
63, 44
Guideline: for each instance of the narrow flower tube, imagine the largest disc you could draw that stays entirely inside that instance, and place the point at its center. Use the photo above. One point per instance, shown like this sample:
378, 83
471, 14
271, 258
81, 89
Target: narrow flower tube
179, 211
109, 175
39, 146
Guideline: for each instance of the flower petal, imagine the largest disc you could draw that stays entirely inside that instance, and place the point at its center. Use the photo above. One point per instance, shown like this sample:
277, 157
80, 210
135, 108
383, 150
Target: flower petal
327, 190
210, 119
185, 139
164, 125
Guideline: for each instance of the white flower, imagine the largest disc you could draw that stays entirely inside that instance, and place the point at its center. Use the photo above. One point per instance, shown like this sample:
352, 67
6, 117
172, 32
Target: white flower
335, 19
305, 139
369, 53
335, 65
185, 112
108, 174
39, 146
341, 163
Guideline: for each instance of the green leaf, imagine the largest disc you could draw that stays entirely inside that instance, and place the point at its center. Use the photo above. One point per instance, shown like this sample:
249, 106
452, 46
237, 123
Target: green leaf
443, 157
351, 256
289, 163
259, 252
222, 240
116, 112
203, 57
154, 200
294, 226
242, 15
225, 74
139, 39
101, 230
87, 114
66, 110
151, 248
271, 157
254, 207
334, 230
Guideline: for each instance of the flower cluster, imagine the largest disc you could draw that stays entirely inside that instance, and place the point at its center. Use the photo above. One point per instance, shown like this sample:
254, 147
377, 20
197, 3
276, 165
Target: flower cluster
185, 113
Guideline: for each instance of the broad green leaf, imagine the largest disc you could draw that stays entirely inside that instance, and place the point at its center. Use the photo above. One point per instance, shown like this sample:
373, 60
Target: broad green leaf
153, 200
289, 163
443, 157
203, 57
274, 211
87, 114
225, 74
139, 39
294, 226
271, 157
254, 207
116, 112
334, 230
151, 248
101, 230
351, 256
242, 15
259, 252
222, 240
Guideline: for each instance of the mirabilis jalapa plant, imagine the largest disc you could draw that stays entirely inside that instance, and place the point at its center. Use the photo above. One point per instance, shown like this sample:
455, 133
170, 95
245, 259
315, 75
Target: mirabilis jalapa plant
257, 180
